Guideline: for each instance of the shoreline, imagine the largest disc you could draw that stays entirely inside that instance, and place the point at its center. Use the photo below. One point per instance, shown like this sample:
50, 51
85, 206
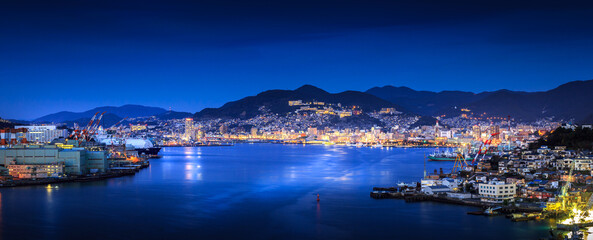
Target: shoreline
388, 193
72, 179
301, 143
513, 213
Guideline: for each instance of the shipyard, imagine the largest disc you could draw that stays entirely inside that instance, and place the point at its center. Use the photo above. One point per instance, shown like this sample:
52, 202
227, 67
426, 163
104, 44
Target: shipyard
59, 155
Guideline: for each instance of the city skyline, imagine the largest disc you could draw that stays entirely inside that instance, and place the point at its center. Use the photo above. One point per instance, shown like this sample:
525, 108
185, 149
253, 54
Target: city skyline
296, 119
78, 55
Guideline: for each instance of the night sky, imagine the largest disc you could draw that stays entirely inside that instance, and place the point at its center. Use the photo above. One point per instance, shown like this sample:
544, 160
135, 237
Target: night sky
187, 55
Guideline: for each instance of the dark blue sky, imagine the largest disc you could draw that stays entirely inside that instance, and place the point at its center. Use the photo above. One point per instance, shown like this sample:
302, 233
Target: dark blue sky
76, 55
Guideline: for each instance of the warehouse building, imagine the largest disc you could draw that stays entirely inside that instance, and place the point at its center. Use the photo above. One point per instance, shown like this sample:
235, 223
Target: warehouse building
76, 161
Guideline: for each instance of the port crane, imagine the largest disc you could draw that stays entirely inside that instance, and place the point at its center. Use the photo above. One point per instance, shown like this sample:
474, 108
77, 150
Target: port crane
79, 133
564, 202
90, 124
460, 163
120, 121
484, 146
87, 132
94, 128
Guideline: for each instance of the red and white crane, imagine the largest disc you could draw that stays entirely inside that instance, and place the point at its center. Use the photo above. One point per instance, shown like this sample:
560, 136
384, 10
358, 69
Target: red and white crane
87, 132
485, 146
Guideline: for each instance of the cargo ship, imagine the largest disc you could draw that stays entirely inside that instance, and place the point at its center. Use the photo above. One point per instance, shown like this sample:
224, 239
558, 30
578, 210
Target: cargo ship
446, 156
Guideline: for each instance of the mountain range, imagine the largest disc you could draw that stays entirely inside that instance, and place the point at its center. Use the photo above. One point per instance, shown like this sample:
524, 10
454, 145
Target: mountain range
130, 111
112, 115
570, 102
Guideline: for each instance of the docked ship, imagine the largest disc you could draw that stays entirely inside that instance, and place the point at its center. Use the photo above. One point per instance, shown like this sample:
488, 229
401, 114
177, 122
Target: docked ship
446, 156
144, 147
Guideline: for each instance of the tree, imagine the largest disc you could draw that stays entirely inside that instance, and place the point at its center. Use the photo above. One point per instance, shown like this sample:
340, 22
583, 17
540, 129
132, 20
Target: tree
578, 139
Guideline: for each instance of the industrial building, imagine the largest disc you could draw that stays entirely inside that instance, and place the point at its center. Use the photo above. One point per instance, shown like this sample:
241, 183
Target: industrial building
77, 161
36, 170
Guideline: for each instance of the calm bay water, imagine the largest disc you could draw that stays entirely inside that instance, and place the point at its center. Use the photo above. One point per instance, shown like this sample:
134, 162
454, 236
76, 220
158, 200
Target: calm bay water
251, 191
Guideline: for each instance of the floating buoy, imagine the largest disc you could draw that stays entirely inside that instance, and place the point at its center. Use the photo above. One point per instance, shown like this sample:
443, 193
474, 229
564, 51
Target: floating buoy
318, 197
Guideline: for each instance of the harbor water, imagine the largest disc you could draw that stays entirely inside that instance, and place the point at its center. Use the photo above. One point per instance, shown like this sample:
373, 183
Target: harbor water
252, 191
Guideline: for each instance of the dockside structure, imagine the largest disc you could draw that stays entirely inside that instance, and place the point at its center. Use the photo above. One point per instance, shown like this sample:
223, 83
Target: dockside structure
77, 161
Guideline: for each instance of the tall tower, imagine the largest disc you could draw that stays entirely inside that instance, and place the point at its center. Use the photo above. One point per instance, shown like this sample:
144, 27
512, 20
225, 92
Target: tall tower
189, 129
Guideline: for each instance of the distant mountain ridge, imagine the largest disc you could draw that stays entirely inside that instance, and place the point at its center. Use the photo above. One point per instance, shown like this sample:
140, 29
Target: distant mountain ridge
569, 101
425, 102
277, 102
130, 111
572, 100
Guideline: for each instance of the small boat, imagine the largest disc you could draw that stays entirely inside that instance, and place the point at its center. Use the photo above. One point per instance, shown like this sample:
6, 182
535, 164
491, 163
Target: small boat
491, 211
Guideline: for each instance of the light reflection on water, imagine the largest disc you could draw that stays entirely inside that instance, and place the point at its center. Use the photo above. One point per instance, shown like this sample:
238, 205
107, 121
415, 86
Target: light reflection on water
255, 191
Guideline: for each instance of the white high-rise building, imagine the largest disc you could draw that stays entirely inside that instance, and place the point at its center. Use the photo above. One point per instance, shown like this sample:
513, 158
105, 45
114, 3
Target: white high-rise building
189, 129
43, 133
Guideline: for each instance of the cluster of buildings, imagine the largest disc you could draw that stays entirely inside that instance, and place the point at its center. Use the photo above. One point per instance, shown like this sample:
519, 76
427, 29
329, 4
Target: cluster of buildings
44, 151
518, 175
333, 123
322, 108
52, 160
